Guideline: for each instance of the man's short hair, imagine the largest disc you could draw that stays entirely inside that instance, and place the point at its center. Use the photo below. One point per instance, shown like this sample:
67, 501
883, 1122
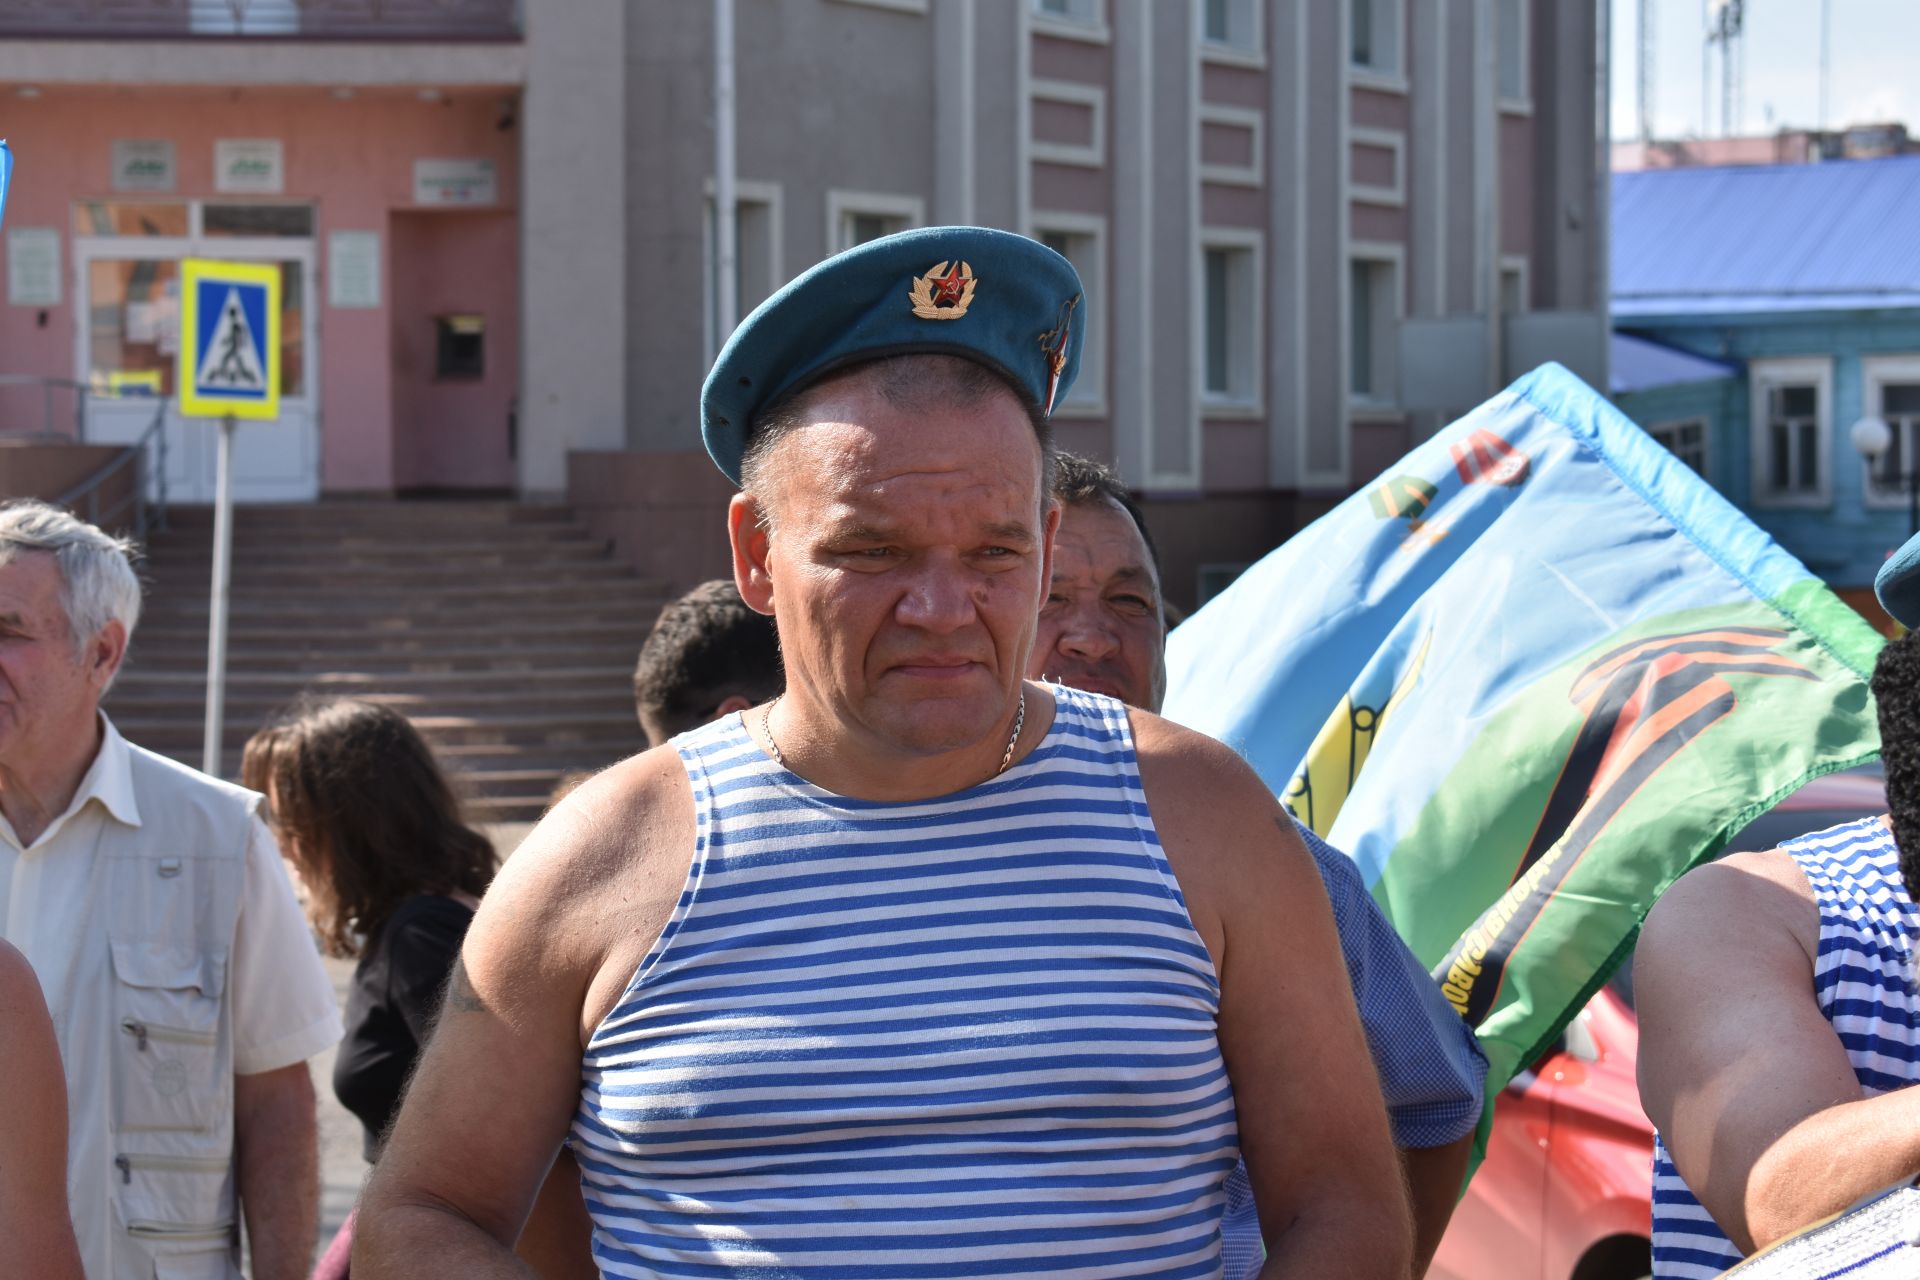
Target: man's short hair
705, 647
909, 382
1896, 692
97, 581
1082, 482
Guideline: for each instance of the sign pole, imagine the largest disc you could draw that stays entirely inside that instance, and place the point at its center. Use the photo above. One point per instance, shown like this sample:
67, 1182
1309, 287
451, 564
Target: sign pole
217, 614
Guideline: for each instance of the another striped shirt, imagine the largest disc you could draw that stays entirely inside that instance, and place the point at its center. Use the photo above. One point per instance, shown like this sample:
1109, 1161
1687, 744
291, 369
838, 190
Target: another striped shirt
1864, 980
965, 1037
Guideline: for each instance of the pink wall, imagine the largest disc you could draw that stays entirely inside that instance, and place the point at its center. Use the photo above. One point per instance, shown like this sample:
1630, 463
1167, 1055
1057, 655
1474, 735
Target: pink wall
352, 158
452, 434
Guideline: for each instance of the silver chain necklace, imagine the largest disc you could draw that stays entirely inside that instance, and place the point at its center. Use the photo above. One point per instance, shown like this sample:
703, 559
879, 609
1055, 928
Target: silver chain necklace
1019, 723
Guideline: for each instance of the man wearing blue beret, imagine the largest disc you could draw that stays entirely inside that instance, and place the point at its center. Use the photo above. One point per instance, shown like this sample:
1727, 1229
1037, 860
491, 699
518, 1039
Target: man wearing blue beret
919, 969
1779, 1011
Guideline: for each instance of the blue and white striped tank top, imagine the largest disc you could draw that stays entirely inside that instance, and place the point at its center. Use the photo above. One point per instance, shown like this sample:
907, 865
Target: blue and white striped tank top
965, 1037
1864, 980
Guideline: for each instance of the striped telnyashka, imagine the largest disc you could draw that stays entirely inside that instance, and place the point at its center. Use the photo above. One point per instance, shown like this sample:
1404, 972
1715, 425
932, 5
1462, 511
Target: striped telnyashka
1864, 980
966, 1037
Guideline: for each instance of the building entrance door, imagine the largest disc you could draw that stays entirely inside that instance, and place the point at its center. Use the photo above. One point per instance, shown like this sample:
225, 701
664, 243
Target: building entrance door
127, 279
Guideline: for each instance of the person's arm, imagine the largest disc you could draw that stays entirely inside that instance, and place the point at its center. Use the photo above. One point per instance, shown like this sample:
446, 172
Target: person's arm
551, 949
283, 1013
1313, 1128
1432, 1073
1434, 1178
277, 1168
1746, 1080
33, 1130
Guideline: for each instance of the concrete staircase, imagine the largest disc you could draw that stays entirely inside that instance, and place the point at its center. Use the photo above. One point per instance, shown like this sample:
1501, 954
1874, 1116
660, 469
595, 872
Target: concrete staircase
503, 631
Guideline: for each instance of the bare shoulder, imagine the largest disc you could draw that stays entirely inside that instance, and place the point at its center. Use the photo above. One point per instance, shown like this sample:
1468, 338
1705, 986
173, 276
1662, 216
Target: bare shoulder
20, 996
1744, 903
1224, 833
593, 884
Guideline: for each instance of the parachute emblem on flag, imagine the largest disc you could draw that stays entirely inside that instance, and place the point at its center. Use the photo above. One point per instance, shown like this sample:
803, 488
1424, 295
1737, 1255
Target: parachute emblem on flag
1408, 496
1484, 458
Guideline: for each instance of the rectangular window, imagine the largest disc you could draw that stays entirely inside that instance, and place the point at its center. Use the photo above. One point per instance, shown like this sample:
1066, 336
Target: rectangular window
855, 217
1791, 407
1893, 396
1227, 311
756, 255
1513, 287
1231, 24
130, 218
1374, 36
280, 220
1686, 441
1080, 12
1373, 331
1081, 245
1512, 37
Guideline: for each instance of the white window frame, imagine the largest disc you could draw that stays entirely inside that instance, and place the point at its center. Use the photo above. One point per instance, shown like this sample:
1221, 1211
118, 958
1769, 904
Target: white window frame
1672, 425
1395, 196
1523, 103
1088, 398
1091, 26
1790, 371
1390, 79
745, 191
898, 6
1234, 175
1092, 155
1394, 255
882, 204
1875, 373
1251, 54
1247, 357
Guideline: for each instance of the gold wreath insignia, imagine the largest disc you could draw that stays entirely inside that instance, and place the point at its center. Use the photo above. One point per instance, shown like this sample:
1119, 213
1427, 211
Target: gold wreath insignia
944, 293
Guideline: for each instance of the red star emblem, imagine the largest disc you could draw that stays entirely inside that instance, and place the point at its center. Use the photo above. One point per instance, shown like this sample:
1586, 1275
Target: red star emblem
948, 288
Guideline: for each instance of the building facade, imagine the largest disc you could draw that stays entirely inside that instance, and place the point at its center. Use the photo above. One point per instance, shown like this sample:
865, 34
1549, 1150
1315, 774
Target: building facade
1310, 230
1792, 296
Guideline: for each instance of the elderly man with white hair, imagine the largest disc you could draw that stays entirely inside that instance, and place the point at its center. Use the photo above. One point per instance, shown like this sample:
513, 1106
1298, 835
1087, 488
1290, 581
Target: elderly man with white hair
152, 903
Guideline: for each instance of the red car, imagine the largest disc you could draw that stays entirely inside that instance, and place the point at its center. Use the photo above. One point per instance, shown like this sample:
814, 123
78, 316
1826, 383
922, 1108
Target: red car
1565, 1192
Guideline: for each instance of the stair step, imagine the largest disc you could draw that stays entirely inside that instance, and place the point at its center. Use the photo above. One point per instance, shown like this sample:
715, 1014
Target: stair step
366, 515
615, 731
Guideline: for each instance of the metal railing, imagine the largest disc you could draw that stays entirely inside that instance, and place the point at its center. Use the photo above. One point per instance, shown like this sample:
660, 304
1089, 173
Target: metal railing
148, 513
264, 19
48, 386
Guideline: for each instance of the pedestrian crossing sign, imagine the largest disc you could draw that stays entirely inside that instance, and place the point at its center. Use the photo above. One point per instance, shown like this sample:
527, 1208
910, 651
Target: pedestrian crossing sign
230, 339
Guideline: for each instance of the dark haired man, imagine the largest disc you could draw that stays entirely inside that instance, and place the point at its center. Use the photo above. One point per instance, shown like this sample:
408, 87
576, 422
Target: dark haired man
707, 656
1102, 629
919, 969
1779, 1019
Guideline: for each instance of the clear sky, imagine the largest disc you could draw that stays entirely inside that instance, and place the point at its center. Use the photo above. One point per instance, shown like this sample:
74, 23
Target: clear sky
1875, 62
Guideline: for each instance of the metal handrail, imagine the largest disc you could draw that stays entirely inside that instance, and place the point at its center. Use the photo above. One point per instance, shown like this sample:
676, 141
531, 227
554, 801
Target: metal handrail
146, 516
47, 387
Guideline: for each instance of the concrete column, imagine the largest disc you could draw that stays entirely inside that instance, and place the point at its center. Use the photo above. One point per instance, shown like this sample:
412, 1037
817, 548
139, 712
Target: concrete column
572, 238
1129, 357
1289, 314
953, 112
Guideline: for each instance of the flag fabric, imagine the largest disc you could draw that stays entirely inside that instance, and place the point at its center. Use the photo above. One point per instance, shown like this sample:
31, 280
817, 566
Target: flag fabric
1525, 679
6, 176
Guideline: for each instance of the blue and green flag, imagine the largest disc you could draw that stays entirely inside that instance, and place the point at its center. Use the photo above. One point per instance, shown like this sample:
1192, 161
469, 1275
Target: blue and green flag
1526, 679
6, 176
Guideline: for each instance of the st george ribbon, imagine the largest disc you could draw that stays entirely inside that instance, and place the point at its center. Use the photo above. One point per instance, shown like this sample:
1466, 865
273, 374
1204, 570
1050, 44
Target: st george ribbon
1526, 678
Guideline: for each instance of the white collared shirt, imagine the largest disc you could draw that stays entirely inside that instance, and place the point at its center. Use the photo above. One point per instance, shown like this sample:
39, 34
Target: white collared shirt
283, 1004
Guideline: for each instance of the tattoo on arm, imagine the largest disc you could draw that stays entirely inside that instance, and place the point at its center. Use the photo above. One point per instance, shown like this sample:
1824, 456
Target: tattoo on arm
461, 997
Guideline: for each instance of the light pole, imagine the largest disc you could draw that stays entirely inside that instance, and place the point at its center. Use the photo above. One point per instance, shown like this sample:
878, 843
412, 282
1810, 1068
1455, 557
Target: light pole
1871, 438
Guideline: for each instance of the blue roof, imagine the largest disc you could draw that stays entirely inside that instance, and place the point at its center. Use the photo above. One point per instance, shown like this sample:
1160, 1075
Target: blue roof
1636, 364
1839, 235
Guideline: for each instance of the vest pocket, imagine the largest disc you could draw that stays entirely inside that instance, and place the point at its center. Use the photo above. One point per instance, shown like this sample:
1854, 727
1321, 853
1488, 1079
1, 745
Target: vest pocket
167, 1038
177, 1209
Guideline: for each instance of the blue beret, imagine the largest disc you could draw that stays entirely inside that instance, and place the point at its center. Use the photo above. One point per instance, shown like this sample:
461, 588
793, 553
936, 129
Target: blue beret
1898, 584
1003, 300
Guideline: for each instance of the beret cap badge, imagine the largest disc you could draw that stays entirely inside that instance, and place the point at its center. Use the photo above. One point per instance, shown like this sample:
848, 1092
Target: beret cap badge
943, 293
